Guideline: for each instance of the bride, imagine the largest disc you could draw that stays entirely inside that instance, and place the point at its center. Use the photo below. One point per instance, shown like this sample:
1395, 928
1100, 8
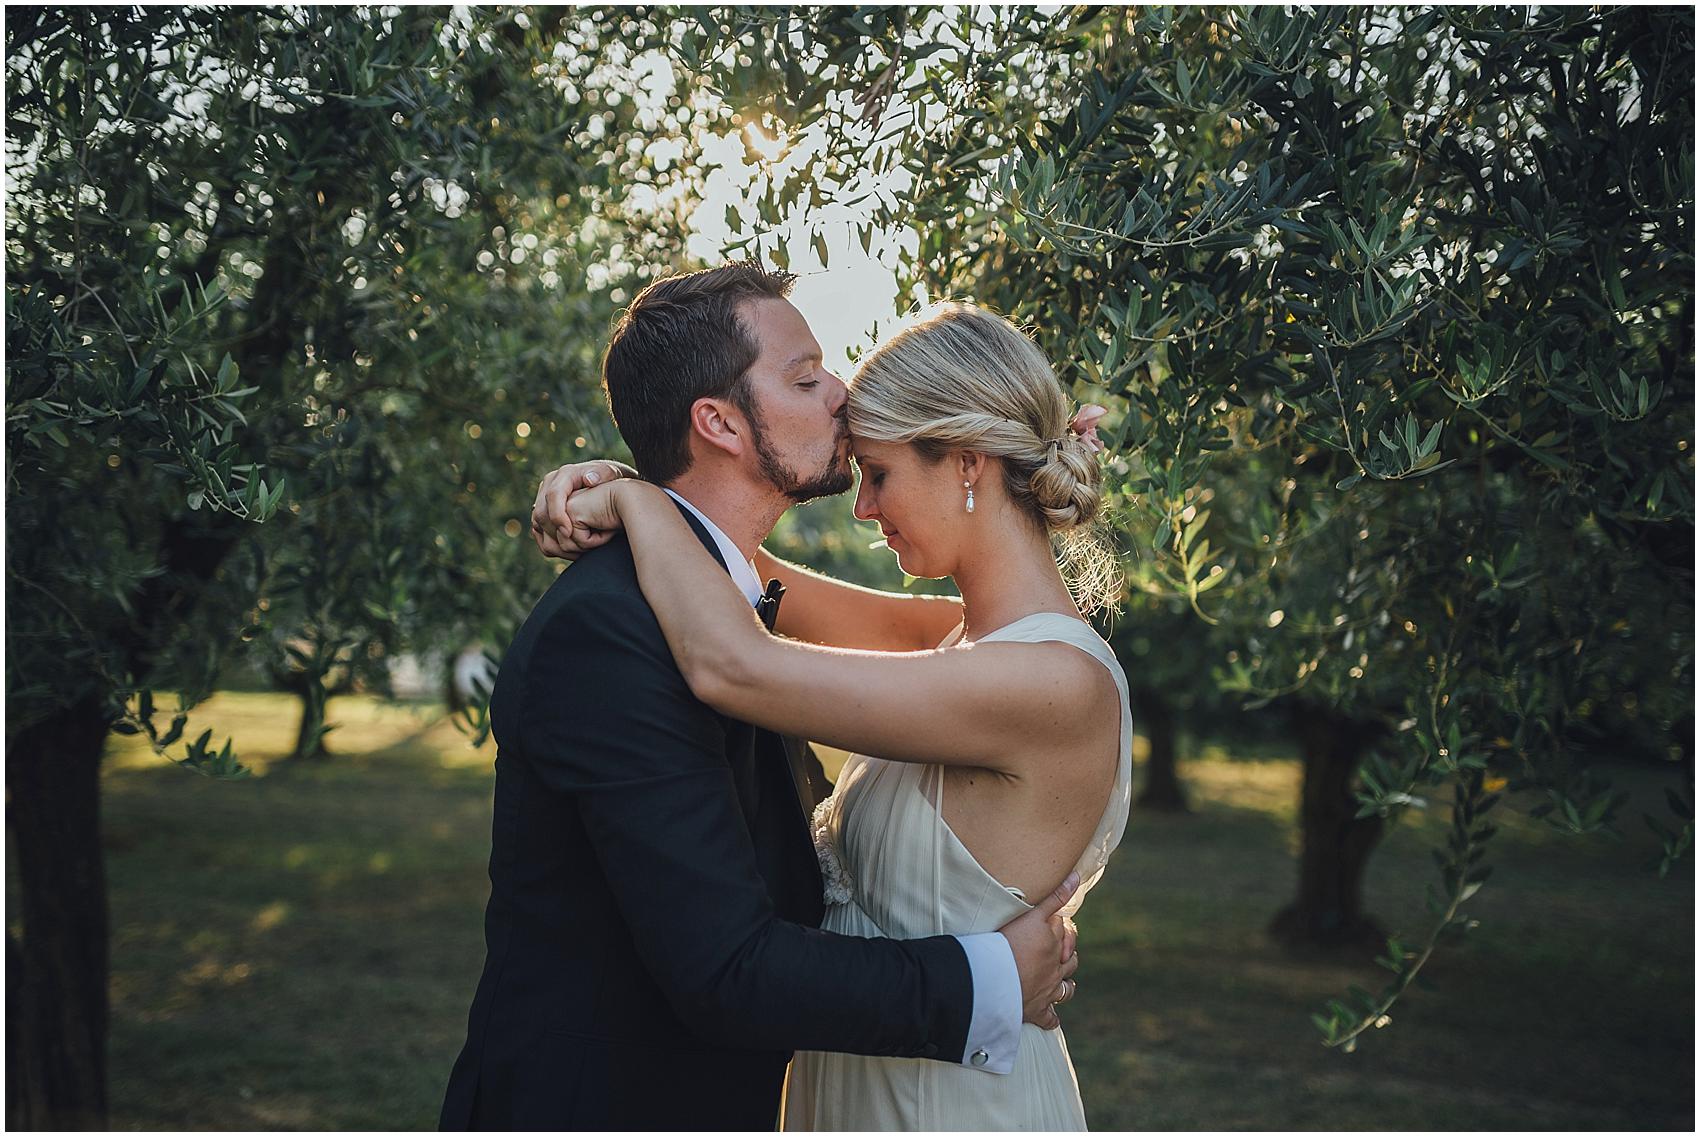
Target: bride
984, 770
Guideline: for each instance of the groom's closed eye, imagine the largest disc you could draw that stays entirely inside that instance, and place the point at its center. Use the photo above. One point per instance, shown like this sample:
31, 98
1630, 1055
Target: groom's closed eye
803, 366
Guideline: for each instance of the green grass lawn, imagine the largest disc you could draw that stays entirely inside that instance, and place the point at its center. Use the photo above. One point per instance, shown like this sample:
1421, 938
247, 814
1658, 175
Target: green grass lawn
299, 950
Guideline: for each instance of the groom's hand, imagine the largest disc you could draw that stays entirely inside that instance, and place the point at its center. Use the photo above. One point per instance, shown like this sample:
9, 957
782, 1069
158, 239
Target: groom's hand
1043, 943
553, 527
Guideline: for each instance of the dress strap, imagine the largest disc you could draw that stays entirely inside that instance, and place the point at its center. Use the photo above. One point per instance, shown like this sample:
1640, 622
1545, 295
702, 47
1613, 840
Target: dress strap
926, 1071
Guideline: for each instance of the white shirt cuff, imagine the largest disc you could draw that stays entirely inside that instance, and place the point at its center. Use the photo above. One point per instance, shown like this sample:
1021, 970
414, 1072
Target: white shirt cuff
994, 1030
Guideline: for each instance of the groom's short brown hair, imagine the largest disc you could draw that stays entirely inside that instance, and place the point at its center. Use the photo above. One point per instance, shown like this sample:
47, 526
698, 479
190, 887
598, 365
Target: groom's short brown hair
680, 341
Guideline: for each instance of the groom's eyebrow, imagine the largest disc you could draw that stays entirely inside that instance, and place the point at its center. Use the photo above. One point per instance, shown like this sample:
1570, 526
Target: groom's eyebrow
804, 357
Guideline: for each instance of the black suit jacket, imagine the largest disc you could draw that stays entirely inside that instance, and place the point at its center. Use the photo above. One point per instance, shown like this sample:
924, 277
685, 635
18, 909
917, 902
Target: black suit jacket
653, 953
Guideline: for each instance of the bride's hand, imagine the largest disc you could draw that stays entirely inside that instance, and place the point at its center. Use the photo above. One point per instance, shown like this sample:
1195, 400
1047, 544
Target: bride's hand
553, 522
595, 512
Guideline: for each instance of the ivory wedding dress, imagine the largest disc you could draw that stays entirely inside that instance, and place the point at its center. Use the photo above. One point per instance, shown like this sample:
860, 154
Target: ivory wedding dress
894, 868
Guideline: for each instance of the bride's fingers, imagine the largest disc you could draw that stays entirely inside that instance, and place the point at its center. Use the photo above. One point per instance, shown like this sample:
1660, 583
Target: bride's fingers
557, 488
585, 537
572, 534
543, 514
558, 541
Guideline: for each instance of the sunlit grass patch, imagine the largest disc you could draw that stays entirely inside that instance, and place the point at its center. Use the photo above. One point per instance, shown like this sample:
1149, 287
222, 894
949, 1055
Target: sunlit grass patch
1266, 786
263, 727
300, 951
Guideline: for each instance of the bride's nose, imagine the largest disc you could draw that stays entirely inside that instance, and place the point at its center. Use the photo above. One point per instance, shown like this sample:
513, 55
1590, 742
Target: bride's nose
864, 508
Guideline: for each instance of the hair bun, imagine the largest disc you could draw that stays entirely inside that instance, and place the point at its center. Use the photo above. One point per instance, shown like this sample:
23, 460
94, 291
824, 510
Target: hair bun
965, 378
1065, 484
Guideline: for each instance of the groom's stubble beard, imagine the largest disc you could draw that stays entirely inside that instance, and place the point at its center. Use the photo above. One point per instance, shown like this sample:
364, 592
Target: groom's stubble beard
834, 479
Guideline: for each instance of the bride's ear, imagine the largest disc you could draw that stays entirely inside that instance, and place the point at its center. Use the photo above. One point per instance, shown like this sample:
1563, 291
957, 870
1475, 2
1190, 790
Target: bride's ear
971, 464
717, 423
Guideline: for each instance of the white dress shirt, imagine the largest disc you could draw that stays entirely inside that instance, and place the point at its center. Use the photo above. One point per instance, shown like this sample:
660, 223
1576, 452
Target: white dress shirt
994, 1027
743, 572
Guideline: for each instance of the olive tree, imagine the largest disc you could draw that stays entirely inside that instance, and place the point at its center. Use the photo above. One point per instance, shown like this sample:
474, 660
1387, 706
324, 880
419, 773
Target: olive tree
300, 303
1393, 308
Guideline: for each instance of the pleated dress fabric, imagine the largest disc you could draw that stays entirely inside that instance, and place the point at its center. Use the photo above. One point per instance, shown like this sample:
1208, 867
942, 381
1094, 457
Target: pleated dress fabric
894, 868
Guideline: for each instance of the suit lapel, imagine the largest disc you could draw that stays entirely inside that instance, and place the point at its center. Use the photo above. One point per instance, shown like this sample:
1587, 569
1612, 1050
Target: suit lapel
703, 535
801, 765
807, 773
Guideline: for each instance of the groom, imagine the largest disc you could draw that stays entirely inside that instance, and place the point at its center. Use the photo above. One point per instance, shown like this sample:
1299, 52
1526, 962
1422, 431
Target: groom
653, 952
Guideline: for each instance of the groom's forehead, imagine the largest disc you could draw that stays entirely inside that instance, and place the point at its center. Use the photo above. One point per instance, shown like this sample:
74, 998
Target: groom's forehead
781, 334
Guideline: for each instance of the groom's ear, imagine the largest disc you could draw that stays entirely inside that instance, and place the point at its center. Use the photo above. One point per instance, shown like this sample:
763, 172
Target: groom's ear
717, 423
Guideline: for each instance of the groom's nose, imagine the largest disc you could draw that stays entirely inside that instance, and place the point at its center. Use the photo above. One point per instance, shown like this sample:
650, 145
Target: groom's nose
840, 394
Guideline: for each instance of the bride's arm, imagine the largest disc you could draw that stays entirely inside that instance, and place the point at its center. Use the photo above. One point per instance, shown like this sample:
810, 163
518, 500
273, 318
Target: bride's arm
1002, 706
820, 609
823, 610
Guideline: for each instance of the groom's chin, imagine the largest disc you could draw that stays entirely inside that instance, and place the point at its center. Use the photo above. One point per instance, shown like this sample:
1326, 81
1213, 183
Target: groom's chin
829, 484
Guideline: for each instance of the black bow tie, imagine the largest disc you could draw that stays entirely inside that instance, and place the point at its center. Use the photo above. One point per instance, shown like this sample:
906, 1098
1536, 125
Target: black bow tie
768, 606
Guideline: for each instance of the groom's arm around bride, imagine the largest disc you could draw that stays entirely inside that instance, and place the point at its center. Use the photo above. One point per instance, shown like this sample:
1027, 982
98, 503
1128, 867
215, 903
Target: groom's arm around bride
649, 960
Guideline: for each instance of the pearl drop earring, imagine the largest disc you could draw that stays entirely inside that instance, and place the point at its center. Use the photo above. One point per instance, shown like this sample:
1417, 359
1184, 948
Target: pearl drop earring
969, 486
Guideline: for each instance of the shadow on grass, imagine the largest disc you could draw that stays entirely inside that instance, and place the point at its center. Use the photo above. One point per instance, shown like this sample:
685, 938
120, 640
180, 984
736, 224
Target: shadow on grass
299, 951
1569, 1008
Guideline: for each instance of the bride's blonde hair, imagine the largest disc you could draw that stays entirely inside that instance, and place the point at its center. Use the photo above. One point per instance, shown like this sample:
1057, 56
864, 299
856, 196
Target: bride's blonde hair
964, 378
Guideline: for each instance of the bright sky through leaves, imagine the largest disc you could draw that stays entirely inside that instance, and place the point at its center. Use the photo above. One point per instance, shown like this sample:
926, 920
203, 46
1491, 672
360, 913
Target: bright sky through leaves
841, 301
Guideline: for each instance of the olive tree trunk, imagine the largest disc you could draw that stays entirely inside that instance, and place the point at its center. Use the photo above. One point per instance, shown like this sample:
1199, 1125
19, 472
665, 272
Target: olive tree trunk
56, 966
1162, 789
1328, 911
